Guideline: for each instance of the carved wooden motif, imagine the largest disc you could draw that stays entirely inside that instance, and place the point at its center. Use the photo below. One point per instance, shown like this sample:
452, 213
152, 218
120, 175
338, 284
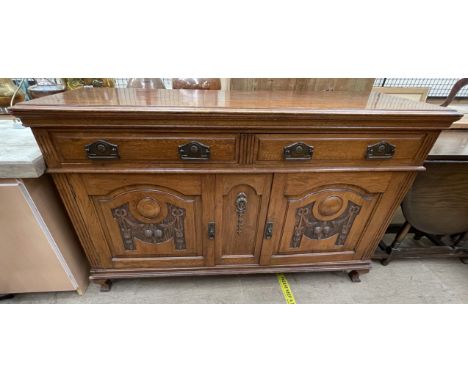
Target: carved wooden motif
313, 228
144, 221
172, 227
241, 208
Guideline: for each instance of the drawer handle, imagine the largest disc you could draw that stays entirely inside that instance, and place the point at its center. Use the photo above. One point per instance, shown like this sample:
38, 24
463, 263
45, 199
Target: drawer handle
102, 150
194, 151
381, 150
298, 151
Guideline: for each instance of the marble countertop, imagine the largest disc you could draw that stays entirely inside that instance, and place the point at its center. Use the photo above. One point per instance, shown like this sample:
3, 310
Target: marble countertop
20, 156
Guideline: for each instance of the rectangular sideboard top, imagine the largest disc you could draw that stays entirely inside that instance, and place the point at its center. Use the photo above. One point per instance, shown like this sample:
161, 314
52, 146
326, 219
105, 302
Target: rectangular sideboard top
97, 101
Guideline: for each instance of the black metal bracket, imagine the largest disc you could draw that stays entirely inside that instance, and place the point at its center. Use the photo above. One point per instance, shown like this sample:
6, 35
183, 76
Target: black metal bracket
194, 151
102, 150
268, 230
381, 150
298, 151
211, 230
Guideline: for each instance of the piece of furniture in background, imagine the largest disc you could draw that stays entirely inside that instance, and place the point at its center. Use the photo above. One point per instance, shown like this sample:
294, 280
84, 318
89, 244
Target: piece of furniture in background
462, 108
7, 90
145, 83
192, 182
437, 205
77, 83
415, 94
45, 87
461, 83
39, 249
363, 85
196, 83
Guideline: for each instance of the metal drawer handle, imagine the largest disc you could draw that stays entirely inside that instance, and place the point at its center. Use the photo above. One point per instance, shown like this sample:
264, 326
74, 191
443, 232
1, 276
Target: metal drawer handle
298, 151
381, 150
194, 151
102, 150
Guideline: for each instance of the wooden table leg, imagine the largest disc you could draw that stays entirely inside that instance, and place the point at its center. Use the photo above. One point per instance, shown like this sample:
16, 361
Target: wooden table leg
396, 243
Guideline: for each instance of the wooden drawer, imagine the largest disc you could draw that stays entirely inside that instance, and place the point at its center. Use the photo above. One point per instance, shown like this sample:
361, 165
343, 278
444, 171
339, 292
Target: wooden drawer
120, 146
339, 149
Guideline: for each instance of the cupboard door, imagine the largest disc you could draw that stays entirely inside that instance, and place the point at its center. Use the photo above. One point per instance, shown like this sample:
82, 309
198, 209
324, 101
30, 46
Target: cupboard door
152, 220
241, 207
320, 217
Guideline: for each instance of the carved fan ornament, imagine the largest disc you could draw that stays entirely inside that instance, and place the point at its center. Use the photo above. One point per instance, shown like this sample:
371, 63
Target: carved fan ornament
312, 227
172, 226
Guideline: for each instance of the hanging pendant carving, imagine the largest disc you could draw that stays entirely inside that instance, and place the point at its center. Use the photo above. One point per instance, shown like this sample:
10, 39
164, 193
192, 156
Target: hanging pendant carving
172, 227
307, 224
241, 208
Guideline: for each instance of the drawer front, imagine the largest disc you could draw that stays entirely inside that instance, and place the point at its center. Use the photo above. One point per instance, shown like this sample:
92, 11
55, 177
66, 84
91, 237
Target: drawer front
117, 147
339, 149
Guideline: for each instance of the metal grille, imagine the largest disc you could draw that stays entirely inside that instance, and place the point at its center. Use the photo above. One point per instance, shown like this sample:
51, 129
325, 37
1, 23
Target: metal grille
440, 87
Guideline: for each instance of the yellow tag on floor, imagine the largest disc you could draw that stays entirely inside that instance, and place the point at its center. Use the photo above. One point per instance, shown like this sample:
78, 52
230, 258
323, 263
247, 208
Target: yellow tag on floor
287, 292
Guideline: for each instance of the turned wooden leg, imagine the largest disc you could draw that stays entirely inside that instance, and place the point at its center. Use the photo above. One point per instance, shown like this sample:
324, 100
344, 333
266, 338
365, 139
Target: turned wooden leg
457, 239
105, 284
418, 235
396, 243
354, 275
386, 261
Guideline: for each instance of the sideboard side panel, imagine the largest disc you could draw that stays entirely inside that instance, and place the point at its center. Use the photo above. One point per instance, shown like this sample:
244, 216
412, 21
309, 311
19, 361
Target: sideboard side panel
84, 219
382, 217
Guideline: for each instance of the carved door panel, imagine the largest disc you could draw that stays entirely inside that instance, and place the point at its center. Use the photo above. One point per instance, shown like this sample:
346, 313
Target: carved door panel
320, 217
152, 220
241, 207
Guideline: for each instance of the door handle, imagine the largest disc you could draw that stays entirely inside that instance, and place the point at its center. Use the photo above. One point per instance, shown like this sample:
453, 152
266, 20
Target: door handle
211, 230
268, 230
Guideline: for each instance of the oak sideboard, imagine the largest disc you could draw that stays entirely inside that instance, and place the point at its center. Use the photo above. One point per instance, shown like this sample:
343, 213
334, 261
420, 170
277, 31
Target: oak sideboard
194, 182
